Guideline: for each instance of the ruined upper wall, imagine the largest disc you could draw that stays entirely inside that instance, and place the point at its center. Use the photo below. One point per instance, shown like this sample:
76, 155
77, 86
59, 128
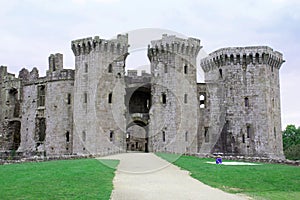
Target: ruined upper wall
242, 55
55, 62
86, 45
132, 77
173, 44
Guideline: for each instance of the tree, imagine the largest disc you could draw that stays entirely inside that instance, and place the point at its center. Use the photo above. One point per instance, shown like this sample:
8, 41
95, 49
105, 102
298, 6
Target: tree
291, 142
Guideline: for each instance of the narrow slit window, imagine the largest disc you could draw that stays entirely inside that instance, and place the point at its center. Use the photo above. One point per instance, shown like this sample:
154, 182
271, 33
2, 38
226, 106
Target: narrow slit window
69, 99
164, 98
110, 97
220, 73
67, 136
111, 136
186, 136
86, 68
164, 136
246, 102
185, 98
85, 97
166, 69
41, 95
248, 131
206, 135
243, 138
185, 68
110, 68
83, 136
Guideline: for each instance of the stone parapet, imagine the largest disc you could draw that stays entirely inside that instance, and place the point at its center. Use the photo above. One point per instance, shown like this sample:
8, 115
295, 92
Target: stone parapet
242, 55
86, 45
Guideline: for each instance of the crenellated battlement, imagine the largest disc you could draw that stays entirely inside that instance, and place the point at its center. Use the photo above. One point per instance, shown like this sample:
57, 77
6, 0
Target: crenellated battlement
173, 44
243, 56
87, 45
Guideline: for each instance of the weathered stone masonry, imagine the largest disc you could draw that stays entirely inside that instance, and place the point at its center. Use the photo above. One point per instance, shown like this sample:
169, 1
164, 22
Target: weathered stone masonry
97, 109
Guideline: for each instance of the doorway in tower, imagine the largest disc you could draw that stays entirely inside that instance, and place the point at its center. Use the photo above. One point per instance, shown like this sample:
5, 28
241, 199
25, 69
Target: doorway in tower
136, 138
138, 103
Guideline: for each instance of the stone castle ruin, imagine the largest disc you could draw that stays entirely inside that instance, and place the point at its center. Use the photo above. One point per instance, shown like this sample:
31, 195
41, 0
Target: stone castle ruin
98, 109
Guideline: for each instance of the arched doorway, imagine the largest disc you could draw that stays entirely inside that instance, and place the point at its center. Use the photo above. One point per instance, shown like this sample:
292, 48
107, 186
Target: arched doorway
137, 137
138, 102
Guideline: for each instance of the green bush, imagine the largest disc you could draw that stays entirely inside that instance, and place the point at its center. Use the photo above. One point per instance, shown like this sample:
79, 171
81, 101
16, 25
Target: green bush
293, 152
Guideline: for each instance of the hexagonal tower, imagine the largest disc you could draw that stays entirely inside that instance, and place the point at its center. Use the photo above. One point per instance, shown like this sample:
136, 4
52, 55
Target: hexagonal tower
244, 101
99, 90
173, 115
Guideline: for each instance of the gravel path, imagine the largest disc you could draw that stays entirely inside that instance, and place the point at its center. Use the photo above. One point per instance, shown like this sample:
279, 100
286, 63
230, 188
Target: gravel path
144, 176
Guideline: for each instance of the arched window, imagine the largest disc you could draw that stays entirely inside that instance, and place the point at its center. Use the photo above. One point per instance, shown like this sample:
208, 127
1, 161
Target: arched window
238, 58
110, 68
231, 58
251, 58
256, 58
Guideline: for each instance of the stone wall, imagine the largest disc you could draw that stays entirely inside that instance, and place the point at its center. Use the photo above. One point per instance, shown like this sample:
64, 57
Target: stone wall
47, 113
10, 98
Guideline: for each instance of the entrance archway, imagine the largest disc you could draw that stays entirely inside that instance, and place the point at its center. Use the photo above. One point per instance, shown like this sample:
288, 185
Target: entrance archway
137, 137
138, 102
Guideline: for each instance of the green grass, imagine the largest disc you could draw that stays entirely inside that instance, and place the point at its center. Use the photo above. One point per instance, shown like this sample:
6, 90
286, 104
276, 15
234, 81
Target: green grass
65, 179
267, 181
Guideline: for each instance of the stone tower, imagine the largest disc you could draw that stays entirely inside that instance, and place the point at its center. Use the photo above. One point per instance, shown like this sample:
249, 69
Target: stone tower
99, 91
173, 115
244, 101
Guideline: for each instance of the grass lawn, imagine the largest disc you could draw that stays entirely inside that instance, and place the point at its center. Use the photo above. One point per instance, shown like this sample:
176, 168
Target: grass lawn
64, 179
267, 181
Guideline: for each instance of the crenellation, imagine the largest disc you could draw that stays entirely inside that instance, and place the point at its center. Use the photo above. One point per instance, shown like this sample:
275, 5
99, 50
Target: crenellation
84, 46
242, 55
173, 44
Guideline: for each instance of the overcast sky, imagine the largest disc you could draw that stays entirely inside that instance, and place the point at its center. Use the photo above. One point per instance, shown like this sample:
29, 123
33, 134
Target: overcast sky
33, 29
